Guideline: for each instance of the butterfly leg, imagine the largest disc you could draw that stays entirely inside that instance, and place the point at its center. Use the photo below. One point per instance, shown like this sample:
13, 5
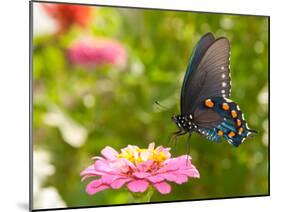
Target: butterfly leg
175, 135
188, 146
188, 142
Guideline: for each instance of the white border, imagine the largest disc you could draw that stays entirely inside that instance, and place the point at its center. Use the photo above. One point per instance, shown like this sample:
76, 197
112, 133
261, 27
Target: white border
14, 105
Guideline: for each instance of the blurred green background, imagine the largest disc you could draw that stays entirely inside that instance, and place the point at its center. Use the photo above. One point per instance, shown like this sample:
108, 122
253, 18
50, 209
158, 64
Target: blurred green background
77, 111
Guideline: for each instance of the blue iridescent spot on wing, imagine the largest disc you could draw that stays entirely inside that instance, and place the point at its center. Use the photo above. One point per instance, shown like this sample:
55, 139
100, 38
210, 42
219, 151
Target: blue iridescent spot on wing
210, 134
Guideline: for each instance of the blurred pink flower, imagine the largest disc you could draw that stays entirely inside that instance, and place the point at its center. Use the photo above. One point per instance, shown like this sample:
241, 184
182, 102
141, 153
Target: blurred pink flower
138, 169
92, 52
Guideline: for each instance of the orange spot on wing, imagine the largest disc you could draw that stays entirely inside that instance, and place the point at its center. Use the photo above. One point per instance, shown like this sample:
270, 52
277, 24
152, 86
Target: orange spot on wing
220, 132
225, 106
238, 122
209, 103
240, 130
231, 134
233, 114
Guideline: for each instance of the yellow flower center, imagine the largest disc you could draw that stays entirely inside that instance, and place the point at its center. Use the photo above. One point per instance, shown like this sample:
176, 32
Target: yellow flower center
137, 155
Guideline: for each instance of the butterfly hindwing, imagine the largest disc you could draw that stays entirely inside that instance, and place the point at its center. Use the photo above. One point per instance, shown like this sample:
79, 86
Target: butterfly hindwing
206, 118
231, 125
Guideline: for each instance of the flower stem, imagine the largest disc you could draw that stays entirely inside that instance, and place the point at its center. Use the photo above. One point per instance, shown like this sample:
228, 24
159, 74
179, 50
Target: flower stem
142, 197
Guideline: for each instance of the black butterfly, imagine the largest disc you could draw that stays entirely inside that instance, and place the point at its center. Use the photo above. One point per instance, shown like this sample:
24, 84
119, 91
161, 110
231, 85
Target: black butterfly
205, 107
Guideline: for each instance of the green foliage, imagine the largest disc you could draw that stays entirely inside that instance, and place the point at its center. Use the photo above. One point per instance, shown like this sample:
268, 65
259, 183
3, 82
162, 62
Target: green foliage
116, 107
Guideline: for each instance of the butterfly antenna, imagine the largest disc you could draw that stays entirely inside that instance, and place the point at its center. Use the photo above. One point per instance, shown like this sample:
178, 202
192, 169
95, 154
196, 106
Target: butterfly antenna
157, 103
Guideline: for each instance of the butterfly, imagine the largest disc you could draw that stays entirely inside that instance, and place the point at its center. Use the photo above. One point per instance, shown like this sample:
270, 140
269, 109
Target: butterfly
204, 104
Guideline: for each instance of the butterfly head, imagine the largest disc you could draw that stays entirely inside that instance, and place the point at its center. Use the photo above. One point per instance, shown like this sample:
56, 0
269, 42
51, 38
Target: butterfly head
183, 122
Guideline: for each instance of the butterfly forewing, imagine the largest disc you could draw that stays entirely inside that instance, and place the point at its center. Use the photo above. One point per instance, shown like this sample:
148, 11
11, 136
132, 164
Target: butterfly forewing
211, 77
194, 62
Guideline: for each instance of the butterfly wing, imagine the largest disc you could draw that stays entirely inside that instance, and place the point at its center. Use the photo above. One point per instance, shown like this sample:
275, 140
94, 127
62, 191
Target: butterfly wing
206, 118
223, 119
195, 59
209, 76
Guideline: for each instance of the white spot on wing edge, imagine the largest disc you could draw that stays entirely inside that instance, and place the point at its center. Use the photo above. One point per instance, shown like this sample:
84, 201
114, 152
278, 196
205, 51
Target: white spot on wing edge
229, 141
228, 100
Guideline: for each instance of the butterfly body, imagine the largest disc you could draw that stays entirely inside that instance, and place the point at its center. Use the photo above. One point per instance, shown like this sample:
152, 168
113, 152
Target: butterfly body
205, 107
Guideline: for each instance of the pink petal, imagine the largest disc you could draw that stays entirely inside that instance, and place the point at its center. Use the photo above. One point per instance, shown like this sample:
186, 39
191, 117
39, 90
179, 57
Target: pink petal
174, 177
91, 171
108, 179
104, 166
87, 176
122, 165
165, 150
170, 165
151, 146
163, 187
97, 158
138, 186
178, 170
193, 172
183, 171
109, 153
155, 178
129, 163
119, 182
144, 166
190, 172
95, 186
141, 175
121, 162
175, 163
179, 178
92, 191
88, 170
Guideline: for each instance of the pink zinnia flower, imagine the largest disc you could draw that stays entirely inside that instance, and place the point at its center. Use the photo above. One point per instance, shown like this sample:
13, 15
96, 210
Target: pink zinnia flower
91, 52
138, 169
